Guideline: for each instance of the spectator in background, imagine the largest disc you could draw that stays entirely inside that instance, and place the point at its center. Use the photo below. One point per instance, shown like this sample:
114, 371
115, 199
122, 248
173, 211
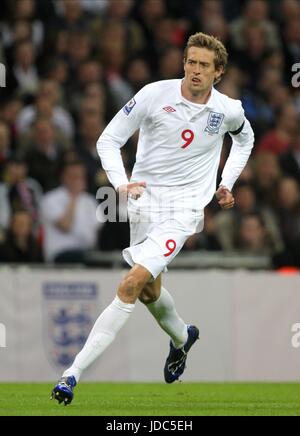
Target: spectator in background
288, 210
253, 54
88, 72
138, 74
47, 104
291, 42
168, 35
274, 61
247, 175
289, 9
210, 9
23, 24
92, 104
115, 235
57, 70
2, 56
267, 175
253, 237
170, 65
278, 98
208, 15
71, 15
256, 12
19, 192
79, 49
9, 110
257, 109
290, 160
277, 140
257, 102
164, 36
5, 146
229, 223
45, 155
230, 88
20, 244
23, 75
148, 14
207, 239
69, 216
269, 95
120, 12
94, 6
113, 57
59, 45
218, 27
19, 31
90, 129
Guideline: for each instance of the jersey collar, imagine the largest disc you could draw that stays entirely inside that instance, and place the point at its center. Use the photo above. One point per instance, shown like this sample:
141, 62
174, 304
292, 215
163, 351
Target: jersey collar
210, 104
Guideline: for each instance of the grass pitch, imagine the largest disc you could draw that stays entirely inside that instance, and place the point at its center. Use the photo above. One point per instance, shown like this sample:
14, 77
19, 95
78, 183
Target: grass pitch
154, 399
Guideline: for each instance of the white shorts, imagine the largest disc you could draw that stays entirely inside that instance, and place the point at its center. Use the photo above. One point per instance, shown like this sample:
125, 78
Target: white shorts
158, 232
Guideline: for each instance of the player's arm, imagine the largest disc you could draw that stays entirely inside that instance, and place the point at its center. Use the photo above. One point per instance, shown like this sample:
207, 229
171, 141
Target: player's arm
242, 143
116, 134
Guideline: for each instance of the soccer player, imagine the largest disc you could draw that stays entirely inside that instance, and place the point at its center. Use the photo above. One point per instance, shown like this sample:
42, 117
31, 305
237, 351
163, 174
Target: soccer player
182, 124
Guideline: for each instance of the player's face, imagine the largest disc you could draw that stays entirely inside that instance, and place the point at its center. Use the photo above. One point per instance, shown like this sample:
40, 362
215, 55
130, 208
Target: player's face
200, 70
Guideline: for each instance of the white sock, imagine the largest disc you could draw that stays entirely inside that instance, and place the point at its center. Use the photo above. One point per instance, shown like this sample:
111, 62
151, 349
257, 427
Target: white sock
165, 314
102, 335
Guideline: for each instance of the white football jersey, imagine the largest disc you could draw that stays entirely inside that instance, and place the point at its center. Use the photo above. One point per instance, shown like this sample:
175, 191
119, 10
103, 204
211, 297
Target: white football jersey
180, 142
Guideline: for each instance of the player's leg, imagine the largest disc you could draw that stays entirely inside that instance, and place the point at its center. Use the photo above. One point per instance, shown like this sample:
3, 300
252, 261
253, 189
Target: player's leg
160, 303
111, 320
154, 246
162, 306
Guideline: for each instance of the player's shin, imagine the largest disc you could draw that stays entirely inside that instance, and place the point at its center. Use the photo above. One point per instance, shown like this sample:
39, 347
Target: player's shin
102, 335
164, 311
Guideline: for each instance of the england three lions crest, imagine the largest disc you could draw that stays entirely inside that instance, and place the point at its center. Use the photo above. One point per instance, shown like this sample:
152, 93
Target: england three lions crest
214, 122
70, 309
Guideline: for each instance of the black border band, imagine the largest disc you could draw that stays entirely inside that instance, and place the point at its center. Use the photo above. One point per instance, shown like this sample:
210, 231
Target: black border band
236, 132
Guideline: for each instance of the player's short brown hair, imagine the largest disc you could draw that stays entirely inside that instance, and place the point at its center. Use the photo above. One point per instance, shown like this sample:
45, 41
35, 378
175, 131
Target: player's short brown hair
212, 43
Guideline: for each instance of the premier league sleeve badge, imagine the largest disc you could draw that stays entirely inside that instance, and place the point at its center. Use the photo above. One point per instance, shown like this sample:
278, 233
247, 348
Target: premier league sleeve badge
129, 106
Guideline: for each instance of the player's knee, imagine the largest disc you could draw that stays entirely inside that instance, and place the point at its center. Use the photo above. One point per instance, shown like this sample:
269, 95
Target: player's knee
149, 294
130, 287
147, 298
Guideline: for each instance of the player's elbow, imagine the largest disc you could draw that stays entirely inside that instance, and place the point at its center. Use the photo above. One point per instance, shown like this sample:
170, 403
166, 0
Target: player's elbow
249, 132
105, 145
100, 146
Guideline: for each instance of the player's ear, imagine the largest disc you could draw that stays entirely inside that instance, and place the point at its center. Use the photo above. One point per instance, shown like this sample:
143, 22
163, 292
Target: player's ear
219, 73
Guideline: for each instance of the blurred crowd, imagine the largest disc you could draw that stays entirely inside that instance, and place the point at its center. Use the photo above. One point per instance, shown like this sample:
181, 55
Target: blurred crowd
72, 64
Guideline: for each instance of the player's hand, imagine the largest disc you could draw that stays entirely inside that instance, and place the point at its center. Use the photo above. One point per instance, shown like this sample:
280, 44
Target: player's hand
225, 198
132, 190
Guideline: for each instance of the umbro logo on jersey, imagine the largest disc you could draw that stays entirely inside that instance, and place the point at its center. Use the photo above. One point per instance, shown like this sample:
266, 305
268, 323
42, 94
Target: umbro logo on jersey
169, 109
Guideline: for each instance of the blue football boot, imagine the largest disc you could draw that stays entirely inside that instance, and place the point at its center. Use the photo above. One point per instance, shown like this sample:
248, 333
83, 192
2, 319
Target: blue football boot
63, 391
175, 363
